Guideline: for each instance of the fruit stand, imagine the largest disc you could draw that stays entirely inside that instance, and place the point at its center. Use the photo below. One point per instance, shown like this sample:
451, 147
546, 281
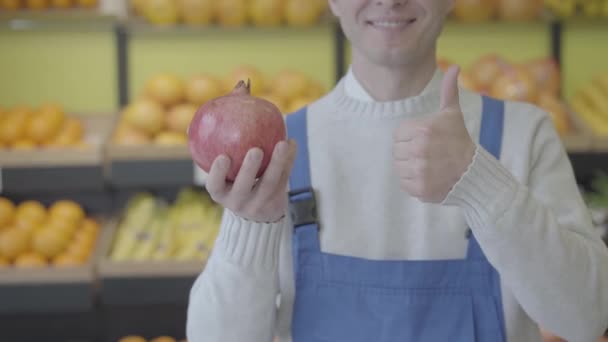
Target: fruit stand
116, 82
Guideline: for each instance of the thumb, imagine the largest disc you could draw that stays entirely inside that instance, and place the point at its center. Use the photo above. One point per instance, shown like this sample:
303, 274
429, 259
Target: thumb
449, 89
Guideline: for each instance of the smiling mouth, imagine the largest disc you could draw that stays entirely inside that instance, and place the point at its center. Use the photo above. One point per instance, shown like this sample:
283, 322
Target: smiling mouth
391, 24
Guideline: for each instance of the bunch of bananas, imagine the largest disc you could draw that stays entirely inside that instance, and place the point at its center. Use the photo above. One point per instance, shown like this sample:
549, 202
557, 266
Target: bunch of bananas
569, 8
591, 105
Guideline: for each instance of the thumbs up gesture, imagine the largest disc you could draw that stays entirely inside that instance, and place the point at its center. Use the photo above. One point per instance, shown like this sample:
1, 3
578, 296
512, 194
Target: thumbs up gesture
432, 153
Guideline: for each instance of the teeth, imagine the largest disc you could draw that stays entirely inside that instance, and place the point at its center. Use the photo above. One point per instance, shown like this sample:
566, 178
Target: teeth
389, 24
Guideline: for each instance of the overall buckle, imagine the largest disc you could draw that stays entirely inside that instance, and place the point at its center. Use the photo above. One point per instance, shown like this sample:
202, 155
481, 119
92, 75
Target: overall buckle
303, 207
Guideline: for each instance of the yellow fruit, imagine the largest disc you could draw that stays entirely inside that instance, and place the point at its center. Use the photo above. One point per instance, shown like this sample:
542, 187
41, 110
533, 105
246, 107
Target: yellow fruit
557, 110
231, 13
13, 242
315, 90
12, 127
161, 12
276, 100
69, 134
290, 84
132, 339
298, 104
145, 115
90, 226
87, 3
40, 129
127, 135
179, 117
28, 226
79, 250
166, 89
10, 4
7, 212
196, 12
30, 260
202, 88
244, 73
163, 339
4, 263
138, 6
67, 210
302, 12
62, 3
64, 228
24, 144
32, 211
37, 4
170, 138
66, 260
48, 242
266, 13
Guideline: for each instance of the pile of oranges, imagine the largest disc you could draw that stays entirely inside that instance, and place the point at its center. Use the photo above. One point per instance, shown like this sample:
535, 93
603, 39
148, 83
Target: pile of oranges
33, 236
45, 4
47, 126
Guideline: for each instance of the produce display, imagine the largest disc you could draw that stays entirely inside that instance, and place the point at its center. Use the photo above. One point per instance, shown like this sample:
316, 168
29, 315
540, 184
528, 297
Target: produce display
486, 10
163, 112
570, 8
48, 126
136, 338
591, 104
40, 5
231, 13
153, 230
33, 236
536, 81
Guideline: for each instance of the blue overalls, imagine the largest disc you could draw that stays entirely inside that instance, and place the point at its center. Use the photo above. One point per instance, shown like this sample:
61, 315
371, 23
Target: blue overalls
347, 299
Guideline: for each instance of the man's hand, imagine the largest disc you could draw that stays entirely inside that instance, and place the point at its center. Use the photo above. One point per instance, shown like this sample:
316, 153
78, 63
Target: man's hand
432, 153
259, 200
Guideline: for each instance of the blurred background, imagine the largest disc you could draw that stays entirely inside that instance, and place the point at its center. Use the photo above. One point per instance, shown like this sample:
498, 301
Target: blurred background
104, 221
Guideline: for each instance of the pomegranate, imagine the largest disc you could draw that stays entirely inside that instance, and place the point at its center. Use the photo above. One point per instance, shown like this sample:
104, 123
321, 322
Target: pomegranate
233, 124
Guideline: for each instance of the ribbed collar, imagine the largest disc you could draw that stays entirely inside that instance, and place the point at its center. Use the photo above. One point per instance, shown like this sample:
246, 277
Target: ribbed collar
353, 100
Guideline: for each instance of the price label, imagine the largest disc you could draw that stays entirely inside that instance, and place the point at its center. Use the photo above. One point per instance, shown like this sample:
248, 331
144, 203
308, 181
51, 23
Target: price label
200, 176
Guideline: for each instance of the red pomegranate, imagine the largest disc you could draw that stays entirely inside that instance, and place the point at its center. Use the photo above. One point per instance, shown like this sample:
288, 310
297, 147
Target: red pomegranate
233, 124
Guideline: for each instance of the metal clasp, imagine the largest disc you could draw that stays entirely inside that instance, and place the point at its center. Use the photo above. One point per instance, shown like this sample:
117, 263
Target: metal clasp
303, 207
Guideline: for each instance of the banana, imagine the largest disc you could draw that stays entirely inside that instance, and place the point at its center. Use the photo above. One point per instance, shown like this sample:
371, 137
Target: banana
597, 122
597, 98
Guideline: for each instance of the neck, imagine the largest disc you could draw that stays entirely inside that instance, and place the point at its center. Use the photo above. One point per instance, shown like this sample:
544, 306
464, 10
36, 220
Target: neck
393, 83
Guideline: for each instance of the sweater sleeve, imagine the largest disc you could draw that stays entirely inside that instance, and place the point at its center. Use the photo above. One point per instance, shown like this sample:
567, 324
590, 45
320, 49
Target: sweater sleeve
540, 237
234, 298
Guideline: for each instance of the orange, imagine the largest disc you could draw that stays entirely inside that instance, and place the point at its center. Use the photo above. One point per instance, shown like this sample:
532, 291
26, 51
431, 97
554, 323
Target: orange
7, 211
24, 144
66, 260
48, 242
13, 242
90, 225
4, 263
28, 226
30, 260
163, 339
67, 210
63, 227
12, 127
37, 4
166, 89
87, 3
132, 338
69, 134
79, 250
41, 128
32, 211
62, 3
244, 73
10, 4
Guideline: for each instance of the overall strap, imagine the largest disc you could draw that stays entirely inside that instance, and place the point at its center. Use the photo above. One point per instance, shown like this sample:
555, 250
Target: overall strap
302, 203
490, 138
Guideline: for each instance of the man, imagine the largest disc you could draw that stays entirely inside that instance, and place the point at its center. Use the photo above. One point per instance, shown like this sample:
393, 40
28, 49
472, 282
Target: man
440, 215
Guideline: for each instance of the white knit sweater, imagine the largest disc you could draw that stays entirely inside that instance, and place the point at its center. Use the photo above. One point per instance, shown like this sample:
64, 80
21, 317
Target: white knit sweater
525, 211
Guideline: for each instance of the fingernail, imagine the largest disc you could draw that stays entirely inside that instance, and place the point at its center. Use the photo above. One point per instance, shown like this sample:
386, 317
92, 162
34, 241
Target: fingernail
255, 154
224, 163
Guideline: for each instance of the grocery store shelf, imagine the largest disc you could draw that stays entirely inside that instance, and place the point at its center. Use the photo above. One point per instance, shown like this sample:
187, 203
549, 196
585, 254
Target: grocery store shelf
139, 27
73, 20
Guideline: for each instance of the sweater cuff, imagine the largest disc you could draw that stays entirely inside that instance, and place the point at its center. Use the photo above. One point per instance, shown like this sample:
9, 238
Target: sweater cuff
485, 191
249, 244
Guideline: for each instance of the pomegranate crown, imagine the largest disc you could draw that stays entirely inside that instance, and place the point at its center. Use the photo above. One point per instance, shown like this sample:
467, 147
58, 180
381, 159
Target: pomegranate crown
242, 88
